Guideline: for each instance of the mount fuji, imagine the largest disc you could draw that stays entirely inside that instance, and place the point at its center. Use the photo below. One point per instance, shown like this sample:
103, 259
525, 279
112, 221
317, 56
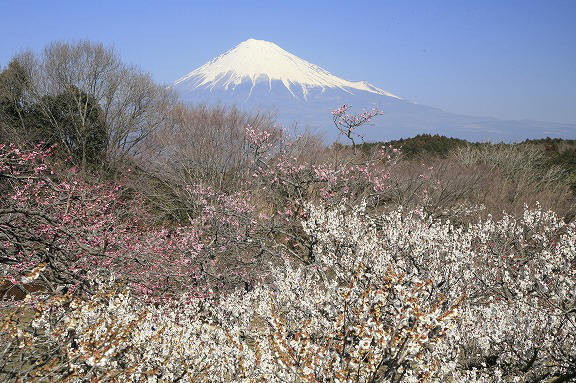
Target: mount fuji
258, 75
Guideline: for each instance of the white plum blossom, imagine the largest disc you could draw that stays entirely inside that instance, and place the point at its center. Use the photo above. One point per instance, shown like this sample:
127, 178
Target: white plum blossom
393, 297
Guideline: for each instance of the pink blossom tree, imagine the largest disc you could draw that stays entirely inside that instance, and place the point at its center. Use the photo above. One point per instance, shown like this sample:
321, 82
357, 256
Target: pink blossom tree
77, 231
348, 124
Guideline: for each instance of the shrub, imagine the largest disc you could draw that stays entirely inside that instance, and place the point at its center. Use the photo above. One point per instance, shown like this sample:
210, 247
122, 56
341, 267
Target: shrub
397, 297
77, 231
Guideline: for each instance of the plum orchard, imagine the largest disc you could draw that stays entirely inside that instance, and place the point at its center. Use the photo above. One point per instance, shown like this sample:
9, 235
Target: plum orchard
74, 230
489, 302
326, 285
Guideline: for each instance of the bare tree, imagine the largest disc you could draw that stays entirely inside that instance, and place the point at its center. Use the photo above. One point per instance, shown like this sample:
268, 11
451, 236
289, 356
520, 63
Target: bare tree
100, 92
204, 143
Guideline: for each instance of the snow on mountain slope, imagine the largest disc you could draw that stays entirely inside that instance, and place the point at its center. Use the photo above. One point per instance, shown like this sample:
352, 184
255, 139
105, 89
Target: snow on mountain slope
264, 61
259, 76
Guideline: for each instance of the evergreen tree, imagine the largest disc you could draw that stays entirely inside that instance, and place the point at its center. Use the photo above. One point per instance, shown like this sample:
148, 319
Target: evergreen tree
73, 121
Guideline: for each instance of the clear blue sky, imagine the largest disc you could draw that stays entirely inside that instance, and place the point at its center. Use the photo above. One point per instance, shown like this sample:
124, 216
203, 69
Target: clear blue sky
502, 58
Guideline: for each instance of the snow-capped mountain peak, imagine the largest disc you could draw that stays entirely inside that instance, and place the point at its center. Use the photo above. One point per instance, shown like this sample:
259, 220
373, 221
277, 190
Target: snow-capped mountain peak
260, 77
263, 61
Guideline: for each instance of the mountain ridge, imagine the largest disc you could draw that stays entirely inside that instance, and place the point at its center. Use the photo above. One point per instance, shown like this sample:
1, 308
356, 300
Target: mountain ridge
259, 76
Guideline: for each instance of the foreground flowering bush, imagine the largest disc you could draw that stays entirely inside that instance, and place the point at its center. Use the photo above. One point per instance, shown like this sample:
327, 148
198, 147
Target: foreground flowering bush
517, 279
76, 230
394, 297
372, 329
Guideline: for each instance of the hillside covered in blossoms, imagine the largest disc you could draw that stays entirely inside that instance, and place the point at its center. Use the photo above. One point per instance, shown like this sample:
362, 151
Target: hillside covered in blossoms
147, 240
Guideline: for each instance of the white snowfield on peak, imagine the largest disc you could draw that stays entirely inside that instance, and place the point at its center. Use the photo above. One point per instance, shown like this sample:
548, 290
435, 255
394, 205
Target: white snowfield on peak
259, 60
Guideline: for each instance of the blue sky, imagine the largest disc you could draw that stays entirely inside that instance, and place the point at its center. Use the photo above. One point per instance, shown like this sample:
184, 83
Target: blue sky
502, 58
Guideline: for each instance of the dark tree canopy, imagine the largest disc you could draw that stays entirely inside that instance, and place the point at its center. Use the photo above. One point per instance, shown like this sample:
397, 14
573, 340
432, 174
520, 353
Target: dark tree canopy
82, 98
13, 81
73, 122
